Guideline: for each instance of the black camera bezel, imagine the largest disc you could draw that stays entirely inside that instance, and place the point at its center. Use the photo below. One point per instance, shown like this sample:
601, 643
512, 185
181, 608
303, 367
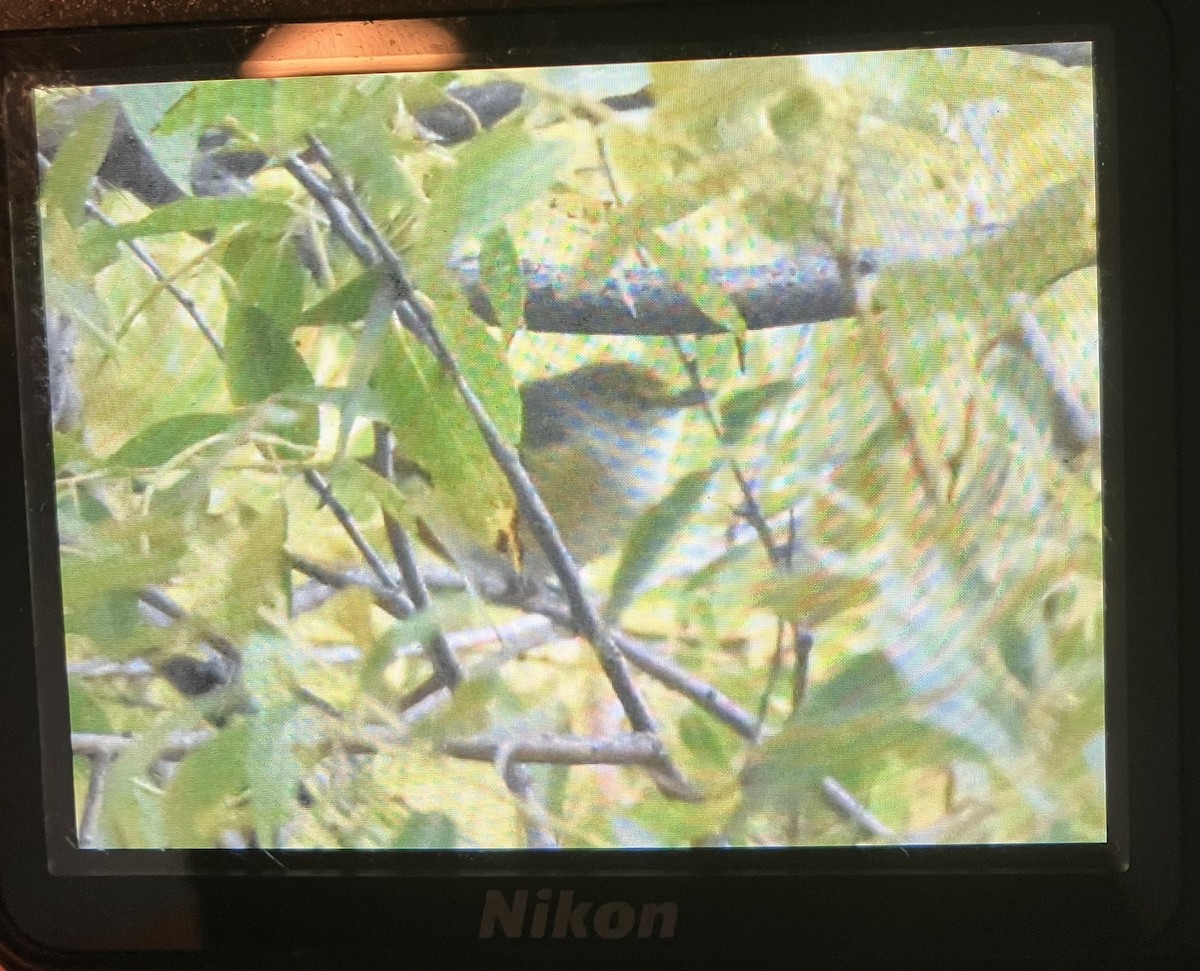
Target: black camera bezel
1063, 901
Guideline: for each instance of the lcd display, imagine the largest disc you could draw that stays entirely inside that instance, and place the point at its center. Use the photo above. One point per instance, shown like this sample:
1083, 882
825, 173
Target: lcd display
699, 453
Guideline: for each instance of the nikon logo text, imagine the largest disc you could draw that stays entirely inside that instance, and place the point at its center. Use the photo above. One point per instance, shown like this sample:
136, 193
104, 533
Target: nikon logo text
566, 917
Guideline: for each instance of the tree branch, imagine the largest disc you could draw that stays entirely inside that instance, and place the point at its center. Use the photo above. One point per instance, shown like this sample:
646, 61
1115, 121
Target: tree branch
639, 748
92, 745
587, 619
853, 811
89, 819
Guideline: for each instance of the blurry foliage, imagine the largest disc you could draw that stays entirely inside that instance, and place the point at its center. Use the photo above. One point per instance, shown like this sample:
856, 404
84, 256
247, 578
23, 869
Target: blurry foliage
947, 563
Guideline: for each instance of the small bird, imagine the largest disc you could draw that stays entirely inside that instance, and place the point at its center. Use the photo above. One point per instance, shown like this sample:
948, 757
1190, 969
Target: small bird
598, 443
212, 684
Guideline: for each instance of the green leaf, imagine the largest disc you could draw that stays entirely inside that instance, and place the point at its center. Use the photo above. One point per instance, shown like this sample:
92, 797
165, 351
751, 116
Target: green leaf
197, 215
88, 579
795, 115
435, 431
500, 272
740, 410
159, 443
652, 535
419, 629
86, 713
268, 273
498, 173
114, 624
345, 305
258, 571
132, 813
69, 181
272, 771
260, 359
367, 351
711, 745
1024, 651
812, 594
852, 727
427, 831
687, 267
199, 802
145, 105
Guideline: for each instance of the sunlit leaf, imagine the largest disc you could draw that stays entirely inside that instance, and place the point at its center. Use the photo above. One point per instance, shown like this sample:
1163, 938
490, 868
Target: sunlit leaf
497, 173
810, 595
69, 180
272, 770
652, 536
196, 215
259, 357
199, 802
500, 272
162, 441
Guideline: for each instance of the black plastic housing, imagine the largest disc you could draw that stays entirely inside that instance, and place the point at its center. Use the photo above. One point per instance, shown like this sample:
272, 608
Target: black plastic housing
1130, 903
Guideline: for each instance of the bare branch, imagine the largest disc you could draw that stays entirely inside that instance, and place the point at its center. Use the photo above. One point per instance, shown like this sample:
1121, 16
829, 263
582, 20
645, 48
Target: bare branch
96, 668
339, 218
89, 820
696, 689
853, 811
445, 665
170, 612
385, 595
321, 488
92, 746
535, 513
539, 834
639, 748
1074, 427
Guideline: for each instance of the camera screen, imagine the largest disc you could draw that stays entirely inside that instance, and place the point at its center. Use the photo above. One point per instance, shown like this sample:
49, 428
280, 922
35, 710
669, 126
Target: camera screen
701, 453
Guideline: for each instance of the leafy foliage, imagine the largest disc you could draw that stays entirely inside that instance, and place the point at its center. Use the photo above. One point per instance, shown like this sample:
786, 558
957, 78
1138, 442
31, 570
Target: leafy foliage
893, 483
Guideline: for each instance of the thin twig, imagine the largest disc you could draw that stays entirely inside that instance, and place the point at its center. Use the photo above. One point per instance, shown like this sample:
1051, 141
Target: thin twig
539, 834
89, 820
638, 748
764, 703
159, 602
445, 665
684, 682
321, 488
854, 811
94, 745
1074, 426
96, 668
536, 515
161, 276
388, 598
802, 643
339, 219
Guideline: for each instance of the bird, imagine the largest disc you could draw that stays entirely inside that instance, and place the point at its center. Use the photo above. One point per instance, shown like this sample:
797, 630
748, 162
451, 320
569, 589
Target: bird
213, 684
598, 443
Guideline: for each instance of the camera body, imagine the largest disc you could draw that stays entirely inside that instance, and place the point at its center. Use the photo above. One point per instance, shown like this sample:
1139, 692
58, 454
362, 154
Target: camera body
284, 561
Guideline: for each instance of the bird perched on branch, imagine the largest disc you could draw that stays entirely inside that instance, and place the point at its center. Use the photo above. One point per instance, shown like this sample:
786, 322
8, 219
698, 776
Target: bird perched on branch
213, 684
598, 443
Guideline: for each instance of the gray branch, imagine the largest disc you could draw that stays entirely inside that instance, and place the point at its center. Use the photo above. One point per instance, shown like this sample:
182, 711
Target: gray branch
853, 811
93, 746
639, 748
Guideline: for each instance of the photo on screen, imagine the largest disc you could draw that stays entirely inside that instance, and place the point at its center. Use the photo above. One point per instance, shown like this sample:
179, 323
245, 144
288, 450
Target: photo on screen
701, 453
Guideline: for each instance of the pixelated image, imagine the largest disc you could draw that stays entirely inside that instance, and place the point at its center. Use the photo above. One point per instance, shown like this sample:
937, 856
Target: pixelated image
688, 454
